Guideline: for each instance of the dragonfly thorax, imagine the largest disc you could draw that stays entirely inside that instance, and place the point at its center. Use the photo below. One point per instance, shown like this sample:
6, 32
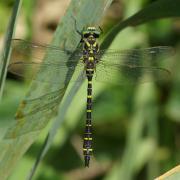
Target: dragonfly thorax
90, 53
89, 41
90, 64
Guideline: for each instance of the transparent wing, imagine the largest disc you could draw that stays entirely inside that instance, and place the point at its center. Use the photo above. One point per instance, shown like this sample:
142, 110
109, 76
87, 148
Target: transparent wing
123, 74
40, 109
27, 49
132, 66
26, 61
30, 70
115, 56
56, 66
41, 103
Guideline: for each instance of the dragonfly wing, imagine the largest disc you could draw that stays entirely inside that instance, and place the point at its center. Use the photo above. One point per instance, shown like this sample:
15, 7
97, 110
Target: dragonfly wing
57, 68
48, 72
25, 50
134, 55
148, 57
130, 73
132, 66
41, 103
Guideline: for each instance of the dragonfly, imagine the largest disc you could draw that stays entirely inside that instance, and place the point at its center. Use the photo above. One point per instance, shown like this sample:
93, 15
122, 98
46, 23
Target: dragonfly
104, 65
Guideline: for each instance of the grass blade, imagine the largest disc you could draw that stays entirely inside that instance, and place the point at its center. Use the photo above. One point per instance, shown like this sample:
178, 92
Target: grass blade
156, 10
4, 60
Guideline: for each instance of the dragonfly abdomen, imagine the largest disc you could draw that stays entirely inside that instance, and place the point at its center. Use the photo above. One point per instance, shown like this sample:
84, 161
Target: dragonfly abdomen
87, 145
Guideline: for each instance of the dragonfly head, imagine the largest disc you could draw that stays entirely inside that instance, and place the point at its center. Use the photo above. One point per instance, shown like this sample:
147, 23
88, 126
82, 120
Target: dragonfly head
91, 32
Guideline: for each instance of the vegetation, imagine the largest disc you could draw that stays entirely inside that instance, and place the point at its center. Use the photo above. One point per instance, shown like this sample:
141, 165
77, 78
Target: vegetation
136, 128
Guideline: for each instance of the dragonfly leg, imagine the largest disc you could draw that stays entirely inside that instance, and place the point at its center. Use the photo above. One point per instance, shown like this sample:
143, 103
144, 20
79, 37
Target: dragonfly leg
100, 29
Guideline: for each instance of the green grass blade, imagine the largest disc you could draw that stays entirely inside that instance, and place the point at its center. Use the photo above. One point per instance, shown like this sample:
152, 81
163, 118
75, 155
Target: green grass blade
54, 129
138, 149
156, 10
4, 59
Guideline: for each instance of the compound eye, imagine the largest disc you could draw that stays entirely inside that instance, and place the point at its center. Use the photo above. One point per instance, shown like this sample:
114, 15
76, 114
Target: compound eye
86, 35
96, 35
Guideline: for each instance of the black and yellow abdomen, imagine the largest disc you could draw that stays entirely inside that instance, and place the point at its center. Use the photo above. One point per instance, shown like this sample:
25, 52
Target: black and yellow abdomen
87, 145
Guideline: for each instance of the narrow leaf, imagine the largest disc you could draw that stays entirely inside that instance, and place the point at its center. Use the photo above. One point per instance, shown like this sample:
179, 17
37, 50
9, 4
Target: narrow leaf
4, 59
156, 10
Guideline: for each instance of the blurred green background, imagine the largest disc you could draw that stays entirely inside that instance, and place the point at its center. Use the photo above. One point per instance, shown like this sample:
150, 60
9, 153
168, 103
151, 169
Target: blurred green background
136, 128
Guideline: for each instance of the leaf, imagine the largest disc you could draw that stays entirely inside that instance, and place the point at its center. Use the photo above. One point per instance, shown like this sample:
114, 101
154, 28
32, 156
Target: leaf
156, 10
27, 126
4, 58
136, 148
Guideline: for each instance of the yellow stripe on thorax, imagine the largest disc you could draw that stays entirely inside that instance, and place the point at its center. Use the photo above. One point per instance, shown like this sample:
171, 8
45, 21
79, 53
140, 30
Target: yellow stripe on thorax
91, 58
90, 69
88, 133
87, 43
85, 149
90, 139
95, 44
